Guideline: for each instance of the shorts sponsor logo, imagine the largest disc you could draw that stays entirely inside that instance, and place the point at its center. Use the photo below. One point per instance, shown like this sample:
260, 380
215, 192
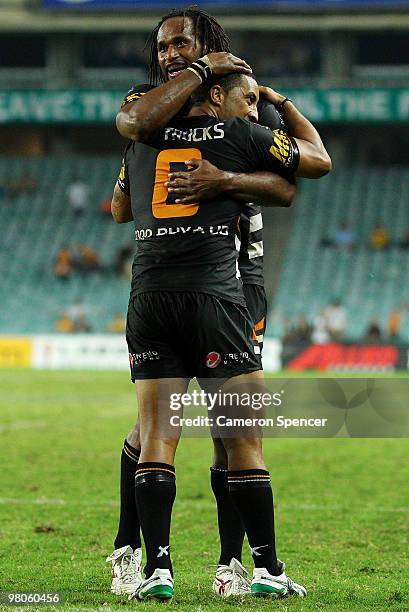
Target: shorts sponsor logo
138, 358
232, 358
213, 359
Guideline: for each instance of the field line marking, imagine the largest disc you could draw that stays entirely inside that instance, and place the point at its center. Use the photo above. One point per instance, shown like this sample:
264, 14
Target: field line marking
112, 414
339, 507
16, 425
44, 501
31, 502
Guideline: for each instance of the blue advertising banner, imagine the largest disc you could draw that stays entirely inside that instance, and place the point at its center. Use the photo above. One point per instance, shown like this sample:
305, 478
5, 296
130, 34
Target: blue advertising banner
247, 4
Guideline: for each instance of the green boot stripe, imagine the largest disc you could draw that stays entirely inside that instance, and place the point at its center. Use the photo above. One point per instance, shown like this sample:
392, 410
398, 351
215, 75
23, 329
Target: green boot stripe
162, 591
264, 588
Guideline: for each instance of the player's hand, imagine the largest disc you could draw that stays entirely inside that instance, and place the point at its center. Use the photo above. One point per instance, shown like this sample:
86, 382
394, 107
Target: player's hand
270, 95
225, 63
202, 182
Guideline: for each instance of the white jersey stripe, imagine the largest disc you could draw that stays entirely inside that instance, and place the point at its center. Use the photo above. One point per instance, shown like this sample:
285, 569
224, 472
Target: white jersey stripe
238, 247
255, 250
256, 223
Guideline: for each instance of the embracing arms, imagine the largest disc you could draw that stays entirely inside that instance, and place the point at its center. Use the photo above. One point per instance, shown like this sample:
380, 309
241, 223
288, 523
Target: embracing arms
314, 159
142, 118
205, 182
262, 187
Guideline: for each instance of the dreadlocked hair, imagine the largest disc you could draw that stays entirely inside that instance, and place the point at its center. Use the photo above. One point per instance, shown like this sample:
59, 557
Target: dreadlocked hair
207, 30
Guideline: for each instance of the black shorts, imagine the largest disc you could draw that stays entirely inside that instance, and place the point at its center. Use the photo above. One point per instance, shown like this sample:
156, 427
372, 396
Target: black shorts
187, 335
257, 306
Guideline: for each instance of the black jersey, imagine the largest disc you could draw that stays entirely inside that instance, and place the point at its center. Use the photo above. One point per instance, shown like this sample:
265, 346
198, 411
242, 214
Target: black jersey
193, 247
136, 92
250, 227
251, 218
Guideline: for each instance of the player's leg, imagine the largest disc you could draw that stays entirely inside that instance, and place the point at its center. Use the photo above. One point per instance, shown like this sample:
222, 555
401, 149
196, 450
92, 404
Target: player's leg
128, 528
159, 370
231, 529
231, 577
250, 489
225, 349
126, 559
245, 462
155, 485
127, 556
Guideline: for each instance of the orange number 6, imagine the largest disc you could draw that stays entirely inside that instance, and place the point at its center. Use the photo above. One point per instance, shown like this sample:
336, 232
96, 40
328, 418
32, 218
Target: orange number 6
160, 209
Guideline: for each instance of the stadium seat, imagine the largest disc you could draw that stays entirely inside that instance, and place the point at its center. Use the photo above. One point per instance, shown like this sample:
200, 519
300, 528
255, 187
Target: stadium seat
368, 283
37, 225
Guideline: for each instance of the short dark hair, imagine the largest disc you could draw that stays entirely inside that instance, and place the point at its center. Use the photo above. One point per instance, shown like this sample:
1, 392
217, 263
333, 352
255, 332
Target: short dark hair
228, 82
206, 28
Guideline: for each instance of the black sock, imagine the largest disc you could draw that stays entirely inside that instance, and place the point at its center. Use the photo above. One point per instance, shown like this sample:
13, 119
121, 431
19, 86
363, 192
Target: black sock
251, 492
129, 528
231, 528
155, 488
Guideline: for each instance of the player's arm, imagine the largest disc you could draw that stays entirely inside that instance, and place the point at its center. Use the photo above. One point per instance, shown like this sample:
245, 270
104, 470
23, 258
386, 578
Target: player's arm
265, 188
121, 206
314, 161
205, 182
121, 209
141, 118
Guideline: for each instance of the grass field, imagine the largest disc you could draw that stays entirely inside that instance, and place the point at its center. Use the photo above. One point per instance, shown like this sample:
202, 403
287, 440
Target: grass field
342, 504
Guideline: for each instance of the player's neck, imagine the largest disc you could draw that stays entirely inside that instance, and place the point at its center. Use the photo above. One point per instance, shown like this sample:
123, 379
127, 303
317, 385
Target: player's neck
204, 109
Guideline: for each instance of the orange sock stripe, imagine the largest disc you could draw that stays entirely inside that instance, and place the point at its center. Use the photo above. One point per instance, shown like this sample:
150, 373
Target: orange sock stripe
130, 453
266, 476
154, 470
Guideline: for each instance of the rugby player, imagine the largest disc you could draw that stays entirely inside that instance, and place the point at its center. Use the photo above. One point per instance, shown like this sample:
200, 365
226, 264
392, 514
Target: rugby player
267, 187
187, 303
186, 39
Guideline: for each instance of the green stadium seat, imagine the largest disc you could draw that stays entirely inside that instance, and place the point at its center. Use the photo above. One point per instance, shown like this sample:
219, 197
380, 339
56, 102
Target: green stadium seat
368, 283
35, 228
